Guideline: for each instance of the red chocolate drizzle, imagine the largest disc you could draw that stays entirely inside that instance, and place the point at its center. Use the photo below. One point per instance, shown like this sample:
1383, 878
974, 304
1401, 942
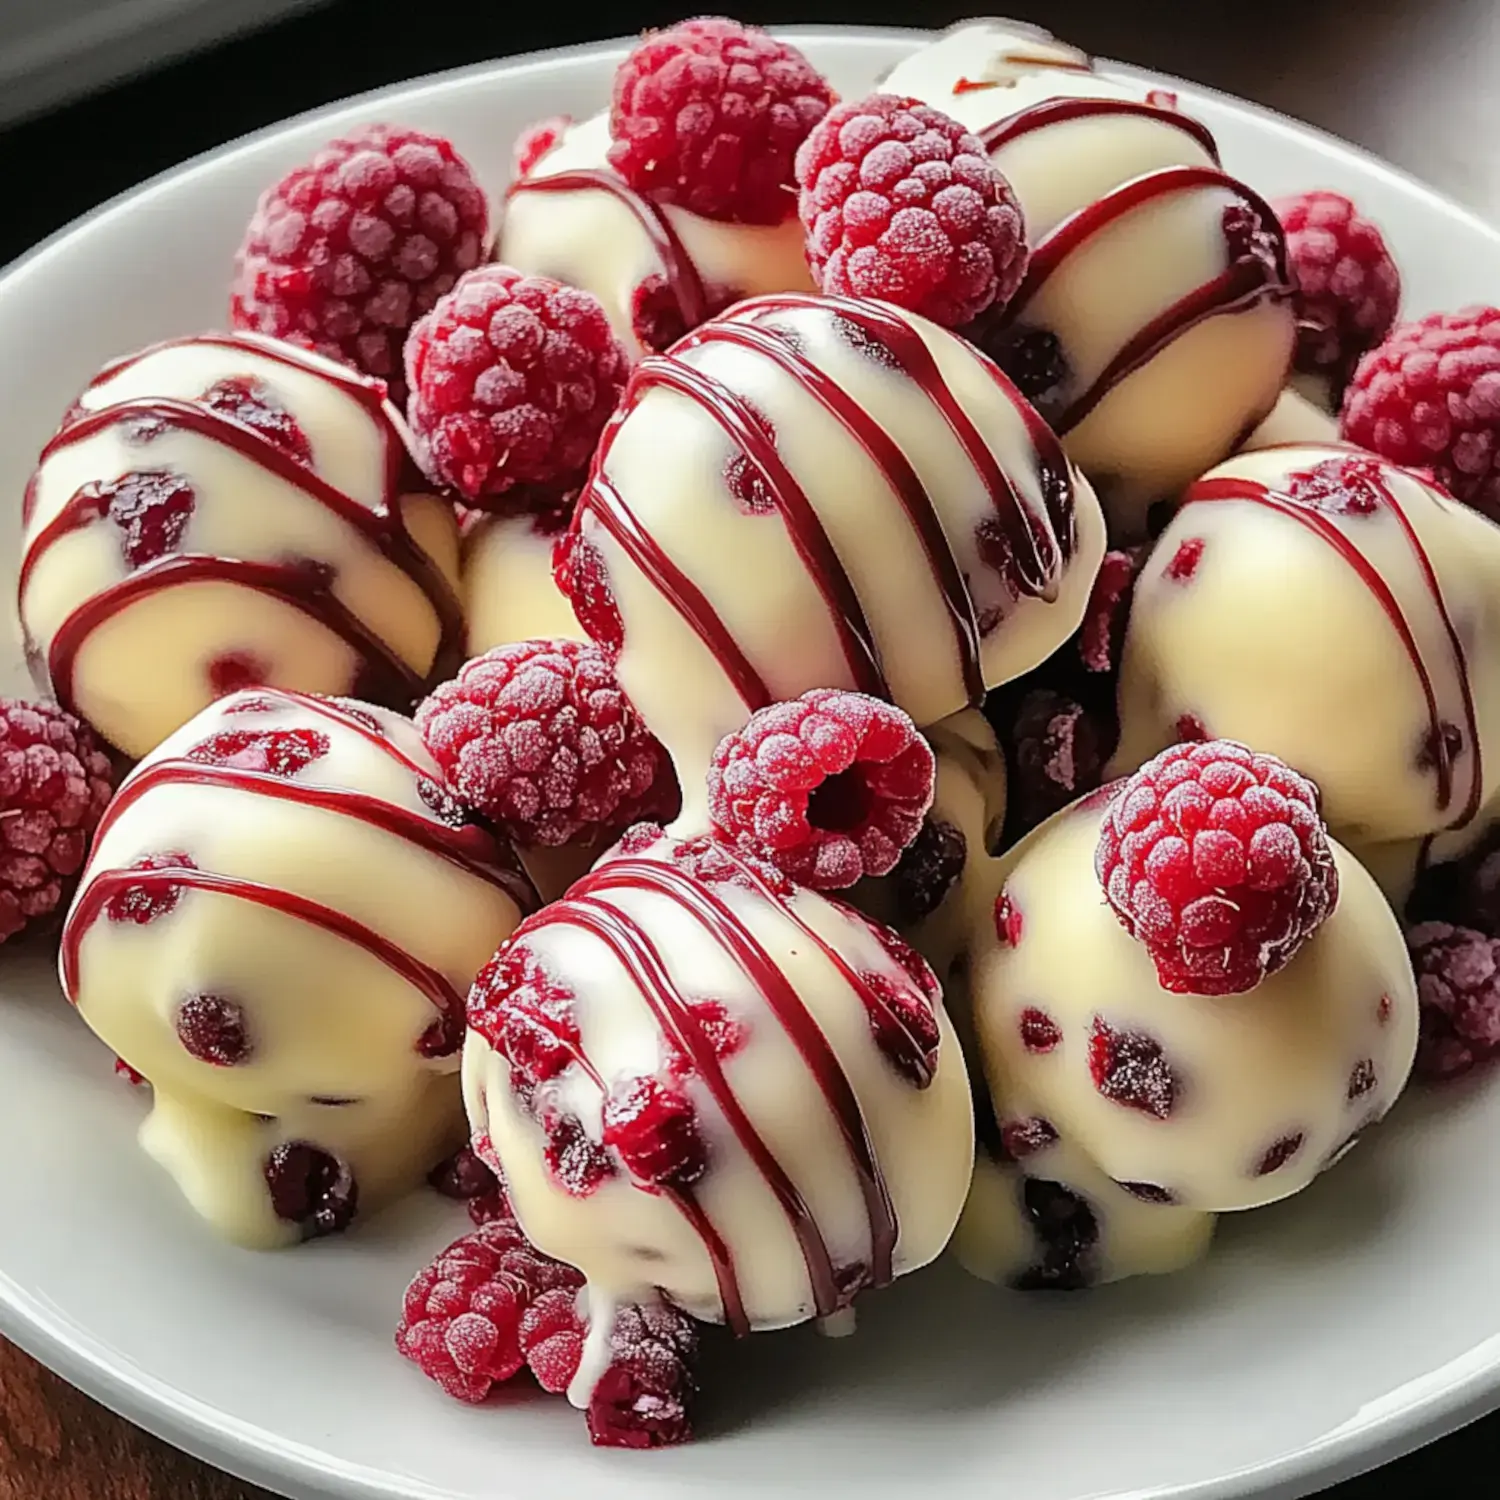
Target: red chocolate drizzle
683, 277
1344, 541
303, 584
1056, 111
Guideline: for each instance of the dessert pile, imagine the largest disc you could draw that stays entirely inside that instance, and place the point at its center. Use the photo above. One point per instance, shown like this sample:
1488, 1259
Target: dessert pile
820, 678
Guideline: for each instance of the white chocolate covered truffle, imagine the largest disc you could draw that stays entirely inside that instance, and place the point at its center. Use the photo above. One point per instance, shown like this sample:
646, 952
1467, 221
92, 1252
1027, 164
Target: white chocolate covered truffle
1154, 326
277, 928
703, 1082
227, 510
509, 591
657, 269
821, 492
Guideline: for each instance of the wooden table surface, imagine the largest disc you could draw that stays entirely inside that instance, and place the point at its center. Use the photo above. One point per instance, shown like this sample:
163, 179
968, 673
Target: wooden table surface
1411, 79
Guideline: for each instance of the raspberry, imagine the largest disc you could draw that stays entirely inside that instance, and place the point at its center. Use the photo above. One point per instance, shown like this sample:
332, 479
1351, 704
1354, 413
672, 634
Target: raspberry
462, 1315
525, 1015
512, 380
581, 574
551, 1338
929, 869
1217, 860
538, 737
55, 780
1039, 1032
904, 1027
901, 202
709, 114
653, 1128
311, 1188
463, 1176
1132, 1069
271, 752
1101, 637
252, 402
214, 1030
1348, 287
1022, 1138
535, 142
1057, 749
150, 508
1458, 993
345, 253
830, 786
1429, 397
645, 1398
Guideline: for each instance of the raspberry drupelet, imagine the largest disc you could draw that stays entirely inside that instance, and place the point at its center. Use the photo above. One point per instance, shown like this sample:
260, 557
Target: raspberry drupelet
901, 203
1429, 398
829, 787
346, 252
1217, 860
55, 781
512, 379
539, 738
709, 114
1458, 991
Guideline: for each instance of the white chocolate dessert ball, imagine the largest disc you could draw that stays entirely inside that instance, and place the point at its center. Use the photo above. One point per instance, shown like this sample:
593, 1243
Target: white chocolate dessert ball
1154, 326
703, 1082
1294, 419
657, 269
1212, 1103
821, 492
277, 926
509, 591
1338, 612
227, 510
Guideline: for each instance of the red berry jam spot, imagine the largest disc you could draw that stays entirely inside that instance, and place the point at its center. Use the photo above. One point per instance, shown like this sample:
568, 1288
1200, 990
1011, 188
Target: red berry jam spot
1383, 1010
583, 578
273, 752
1339, 487
653, 1128
251, 402
1022, 1138
233, 671
904, 1027
1131, 1069
151, 899
929, 868
1008, 926
1150, 1192
151, 509
311, 1188
744, 479
1279, 1153
1185, 560
577, 1162
1068, 1230
214, 1030
1161, 98
1039, 1032
1191, 729
1361, 1080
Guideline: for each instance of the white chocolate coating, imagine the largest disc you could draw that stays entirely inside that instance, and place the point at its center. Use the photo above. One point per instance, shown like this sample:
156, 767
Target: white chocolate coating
509, 592
314, 570
1189, 393
1329, 667
1294, 419
633, 1241
593, 238
1304, 1061
331, 1012
771, 600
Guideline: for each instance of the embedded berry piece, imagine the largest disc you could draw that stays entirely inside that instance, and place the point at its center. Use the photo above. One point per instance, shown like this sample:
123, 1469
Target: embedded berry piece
214, 1030
1039, 1032
462, 1176
578, 1163
1279, 1153
1033, 358
831, 786
1184, 561
1361, 1079
539, 738
653, 1128
904, 1027
535, 141
1347, 286
512, 380
1132, 1069
1009, 923
581, 575
709, 114
1022, 1138
233, 671
131, 1076
1216, 860
1101, 637
150, 899
1150, 1192
55, 781
311, 1188
1429, 398
1340, 487
1065, 1224
271, 752
929, 868
525, 1015
151, 509
645, 1398
346, 252
900, 202
253, 403
1458, 994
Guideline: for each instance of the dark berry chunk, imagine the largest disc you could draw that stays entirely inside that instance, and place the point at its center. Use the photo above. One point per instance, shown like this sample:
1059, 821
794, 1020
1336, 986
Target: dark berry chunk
904, 1027
1150, 1192
151, 509
1039, 1032
1066, 1225
1361, 1079
462, 1175
311, 1188
1022, 1138
1279, 1153
1008, 923
214, 1030
929, 869
1131, 1069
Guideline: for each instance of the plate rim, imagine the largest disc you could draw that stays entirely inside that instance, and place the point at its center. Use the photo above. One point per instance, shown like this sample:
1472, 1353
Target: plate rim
260, 1457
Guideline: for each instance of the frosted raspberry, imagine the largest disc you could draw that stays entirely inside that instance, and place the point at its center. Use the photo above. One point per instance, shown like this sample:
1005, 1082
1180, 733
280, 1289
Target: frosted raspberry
538, 737
1217, 860
311, 1188
645, 1398
214, 1030
525, 1015
830, 786
1429, 398
147, 901
1458, 992
1348, 287
535, 142
461, 1317
579, 569
653, 1128
551, 1338
55, 781
345, 253
150, 508
512, 379
901, 202
709, 114
578, 1163
929, 868
462, 1176
1056, 754
1132, 1069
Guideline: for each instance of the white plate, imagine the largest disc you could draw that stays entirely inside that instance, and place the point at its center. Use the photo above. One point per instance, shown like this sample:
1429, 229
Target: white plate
1324, 1335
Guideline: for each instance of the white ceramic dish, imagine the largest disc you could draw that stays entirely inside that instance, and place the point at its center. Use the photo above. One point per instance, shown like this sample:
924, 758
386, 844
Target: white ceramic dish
1324, 1335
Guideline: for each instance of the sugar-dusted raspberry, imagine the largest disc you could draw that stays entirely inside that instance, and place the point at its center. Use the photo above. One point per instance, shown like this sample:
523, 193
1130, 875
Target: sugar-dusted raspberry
653, 1128
578, 1164
150, 509
311, 1188
1101, 637
55, 781
535, 142
1133, 1069
579, 569
901, 202
1429, 398
929, 868
461, 1317
904, 1025
709, 114
512, 379
538, 737
1039, 1032
215, 1030
1217, 860
1056, 750
1347, 286
830, 787
149, 900
1068, 1230
551, 1338
645, 1398
272, 752
345, 253
1458, 994
522, 1011
462, 1176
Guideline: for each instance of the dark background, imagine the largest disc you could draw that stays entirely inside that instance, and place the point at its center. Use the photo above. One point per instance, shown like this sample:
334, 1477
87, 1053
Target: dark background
1414, 80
